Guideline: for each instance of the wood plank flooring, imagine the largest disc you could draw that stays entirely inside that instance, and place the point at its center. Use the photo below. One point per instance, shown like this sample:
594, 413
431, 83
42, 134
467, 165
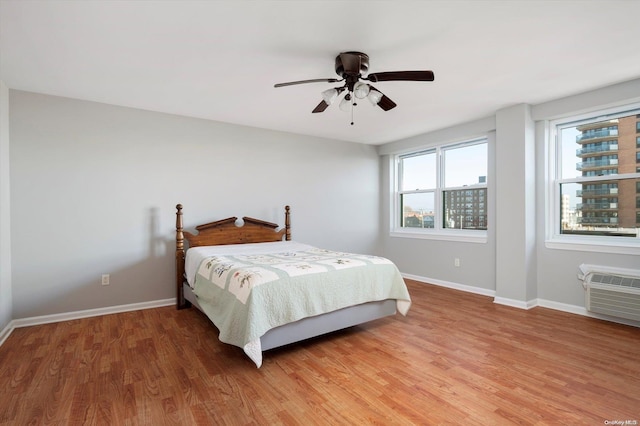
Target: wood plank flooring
457, 358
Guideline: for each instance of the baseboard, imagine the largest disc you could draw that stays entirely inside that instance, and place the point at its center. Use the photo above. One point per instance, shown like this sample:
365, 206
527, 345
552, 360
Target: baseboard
516, 303
46, 319
564, 307
476, 290
455, 286
543, 303
6, 332
580, 310
573, 309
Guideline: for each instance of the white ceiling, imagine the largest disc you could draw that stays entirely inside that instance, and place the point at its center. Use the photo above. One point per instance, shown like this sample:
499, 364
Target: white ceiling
220, 59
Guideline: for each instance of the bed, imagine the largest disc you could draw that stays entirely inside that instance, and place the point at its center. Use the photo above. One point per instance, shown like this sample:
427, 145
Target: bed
262, 290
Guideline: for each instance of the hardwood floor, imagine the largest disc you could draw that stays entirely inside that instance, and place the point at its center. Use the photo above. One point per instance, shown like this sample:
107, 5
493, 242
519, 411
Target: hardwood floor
457, 358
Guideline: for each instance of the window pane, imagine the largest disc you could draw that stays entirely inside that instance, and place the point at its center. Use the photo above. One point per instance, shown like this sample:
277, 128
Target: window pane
599, 148
465, 209
417, 210
571, 197
465, 165
418, 172
604, 149
599, 208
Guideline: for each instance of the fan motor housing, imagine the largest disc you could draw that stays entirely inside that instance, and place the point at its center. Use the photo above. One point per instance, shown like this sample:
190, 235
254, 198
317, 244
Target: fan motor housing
352, 58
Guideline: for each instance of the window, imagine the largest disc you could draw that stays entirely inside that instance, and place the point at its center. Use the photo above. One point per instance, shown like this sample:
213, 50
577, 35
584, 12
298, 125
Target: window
417, 186
441, 190
596, 178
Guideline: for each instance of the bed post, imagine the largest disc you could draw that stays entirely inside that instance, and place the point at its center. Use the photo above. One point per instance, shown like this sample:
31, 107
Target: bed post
180, 302
287, 224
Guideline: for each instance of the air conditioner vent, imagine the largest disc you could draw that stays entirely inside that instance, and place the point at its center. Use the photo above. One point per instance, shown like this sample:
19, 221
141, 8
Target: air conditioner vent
614, 303
612, 292
615, 280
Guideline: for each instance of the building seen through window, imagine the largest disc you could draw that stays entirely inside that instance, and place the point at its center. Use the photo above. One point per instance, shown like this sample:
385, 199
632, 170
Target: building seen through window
599, 177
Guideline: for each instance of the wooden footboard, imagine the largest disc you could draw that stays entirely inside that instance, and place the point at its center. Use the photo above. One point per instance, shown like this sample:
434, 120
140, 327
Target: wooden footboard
223, 231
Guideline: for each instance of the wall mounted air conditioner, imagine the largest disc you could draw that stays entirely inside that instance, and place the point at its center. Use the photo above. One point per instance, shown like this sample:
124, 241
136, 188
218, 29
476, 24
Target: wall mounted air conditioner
612, 291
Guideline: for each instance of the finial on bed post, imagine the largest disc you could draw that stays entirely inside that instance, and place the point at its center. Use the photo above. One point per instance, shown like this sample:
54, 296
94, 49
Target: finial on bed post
179, 233
180, 302
287, 223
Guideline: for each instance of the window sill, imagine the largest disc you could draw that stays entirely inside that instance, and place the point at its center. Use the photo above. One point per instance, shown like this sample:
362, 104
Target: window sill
459, 236
632, 246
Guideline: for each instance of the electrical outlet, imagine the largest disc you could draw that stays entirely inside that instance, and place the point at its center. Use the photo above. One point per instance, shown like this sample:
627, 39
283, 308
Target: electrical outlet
456, 262
105, 279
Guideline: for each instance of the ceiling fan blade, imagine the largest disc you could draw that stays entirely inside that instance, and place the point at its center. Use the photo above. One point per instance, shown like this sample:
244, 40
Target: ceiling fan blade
401, 76
315, 80
386, 103
321, 107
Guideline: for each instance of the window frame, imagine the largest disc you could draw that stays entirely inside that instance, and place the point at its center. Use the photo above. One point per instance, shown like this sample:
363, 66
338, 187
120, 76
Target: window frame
554, 238
438, 232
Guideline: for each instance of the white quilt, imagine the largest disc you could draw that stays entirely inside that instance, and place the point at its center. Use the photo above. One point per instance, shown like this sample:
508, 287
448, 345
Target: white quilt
248, 289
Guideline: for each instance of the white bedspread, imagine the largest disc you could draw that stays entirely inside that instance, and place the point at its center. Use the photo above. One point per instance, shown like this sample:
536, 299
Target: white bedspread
196, 255
248, 289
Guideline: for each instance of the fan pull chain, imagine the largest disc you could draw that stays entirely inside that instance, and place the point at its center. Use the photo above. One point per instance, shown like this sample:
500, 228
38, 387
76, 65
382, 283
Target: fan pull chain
353, 104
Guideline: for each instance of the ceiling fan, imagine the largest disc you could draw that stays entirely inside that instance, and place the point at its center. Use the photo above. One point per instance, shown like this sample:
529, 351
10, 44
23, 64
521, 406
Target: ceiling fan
353, 68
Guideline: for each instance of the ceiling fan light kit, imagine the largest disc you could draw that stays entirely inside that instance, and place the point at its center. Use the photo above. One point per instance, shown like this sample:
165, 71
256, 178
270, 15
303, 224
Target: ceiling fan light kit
353, 67
361, 90
330, 95
346, 103
374, 97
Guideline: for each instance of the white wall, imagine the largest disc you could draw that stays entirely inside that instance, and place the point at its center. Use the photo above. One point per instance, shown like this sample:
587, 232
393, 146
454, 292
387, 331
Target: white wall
433, 260
94, 189
545, 276
5, 216
556, 268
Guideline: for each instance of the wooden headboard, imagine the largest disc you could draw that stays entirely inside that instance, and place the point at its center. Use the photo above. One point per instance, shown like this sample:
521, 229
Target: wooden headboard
221, 232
